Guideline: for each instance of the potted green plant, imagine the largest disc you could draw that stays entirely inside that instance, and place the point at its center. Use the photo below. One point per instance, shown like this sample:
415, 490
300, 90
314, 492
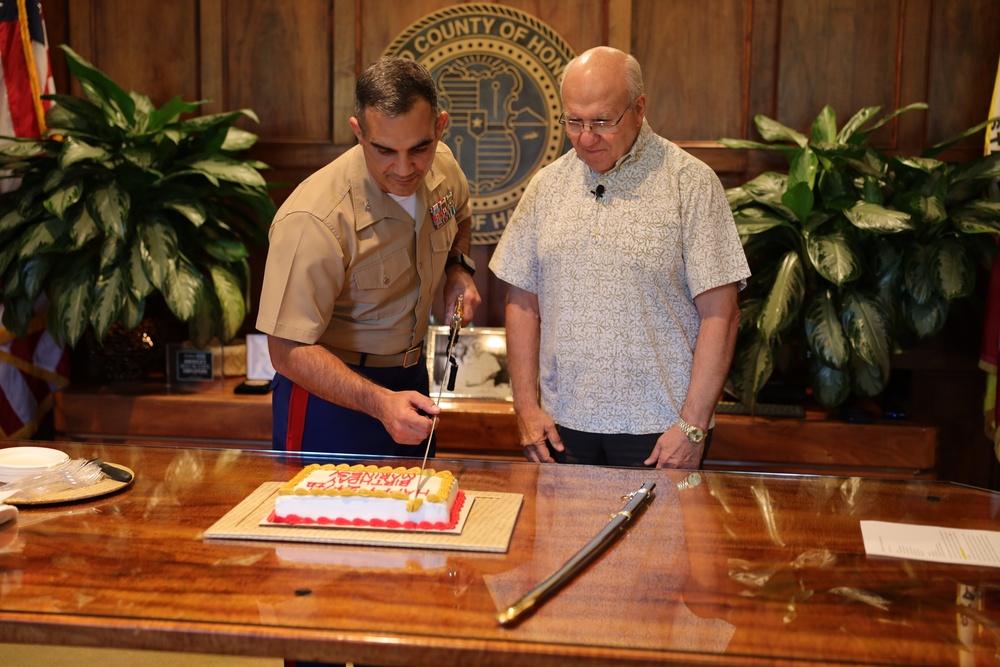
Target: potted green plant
855, 254
122, 201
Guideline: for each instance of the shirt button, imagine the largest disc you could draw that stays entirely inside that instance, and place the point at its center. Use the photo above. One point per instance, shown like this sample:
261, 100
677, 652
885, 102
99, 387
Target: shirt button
385, 280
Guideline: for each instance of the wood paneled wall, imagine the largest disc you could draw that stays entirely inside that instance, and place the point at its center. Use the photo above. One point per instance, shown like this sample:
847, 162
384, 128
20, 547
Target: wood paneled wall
710, 66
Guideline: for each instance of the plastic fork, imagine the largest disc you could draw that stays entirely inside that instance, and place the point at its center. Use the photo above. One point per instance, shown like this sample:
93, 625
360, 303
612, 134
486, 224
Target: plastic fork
64, 476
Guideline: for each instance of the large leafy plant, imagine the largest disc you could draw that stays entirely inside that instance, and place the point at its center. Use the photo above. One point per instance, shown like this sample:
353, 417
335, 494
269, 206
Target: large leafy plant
855, 254
121, 199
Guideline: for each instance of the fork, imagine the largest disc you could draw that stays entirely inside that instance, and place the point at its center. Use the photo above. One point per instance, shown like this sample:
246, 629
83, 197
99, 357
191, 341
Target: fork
64, 476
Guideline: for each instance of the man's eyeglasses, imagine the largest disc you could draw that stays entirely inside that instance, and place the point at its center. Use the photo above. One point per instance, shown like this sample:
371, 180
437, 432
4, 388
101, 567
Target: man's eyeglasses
575, 126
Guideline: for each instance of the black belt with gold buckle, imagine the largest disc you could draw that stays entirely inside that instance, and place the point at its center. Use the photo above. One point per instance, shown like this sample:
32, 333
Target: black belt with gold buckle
405, 359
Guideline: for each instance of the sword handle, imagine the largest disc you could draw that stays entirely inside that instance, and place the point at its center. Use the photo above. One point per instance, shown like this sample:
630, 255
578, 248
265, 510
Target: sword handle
459, 308
452, 372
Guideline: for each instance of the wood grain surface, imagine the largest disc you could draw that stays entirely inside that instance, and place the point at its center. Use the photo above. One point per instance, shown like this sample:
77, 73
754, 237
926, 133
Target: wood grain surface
745, 569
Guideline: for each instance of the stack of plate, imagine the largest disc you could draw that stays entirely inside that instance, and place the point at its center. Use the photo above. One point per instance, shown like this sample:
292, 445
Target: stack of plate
18, 462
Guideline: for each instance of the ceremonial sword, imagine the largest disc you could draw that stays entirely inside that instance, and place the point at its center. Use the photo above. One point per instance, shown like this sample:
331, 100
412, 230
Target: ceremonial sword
617, 525
452, 368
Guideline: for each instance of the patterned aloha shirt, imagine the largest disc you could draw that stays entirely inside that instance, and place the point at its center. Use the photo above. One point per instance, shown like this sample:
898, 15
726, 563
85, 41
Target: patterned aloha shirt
616, 276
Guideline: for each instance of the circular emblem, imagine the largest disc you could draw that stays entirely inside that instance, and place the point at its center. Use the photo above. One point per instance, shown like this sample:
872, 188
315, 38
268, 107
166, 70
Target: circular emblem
497, 71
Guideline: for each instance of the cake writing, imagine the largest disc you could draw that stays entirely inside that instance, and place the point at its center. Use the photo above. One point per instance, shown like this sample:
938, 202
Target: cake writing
340, 480
370, 481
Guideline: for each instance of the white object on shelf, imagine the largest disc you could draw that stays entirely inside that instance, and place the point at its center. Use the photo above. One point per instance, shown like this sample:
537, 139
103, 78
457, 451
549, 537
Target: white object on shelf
258, 359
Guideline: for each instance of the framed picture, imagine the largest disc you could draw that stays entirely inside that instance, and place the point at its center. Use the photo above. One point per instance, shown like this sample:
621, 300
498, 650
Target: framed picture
481, 357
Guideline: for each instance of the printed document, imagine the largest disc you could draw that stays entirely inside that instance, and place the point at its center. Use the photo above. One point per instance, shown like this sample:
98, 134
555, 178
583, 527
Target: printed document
932, 543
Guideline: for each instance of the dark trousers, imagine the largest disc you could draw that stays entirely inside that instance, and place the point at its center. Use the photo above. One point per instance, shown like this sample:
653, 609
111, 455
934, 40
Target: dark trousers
611, 449
333, 429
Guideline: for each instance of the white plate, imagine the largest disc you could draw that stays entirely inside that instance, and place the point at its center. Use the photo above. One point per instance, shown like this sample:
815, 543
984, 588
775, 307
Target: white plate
18, 462
30, 457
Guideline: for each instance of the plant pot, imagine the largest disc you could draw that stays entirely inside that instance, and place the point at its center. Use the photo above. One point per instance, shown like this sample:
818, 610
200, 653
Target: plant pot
122, 355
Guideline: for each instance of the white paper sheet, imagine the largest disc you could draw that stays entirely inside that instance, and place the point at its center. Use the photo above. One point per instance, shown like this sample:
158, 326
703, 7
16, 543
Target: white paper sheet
931, 543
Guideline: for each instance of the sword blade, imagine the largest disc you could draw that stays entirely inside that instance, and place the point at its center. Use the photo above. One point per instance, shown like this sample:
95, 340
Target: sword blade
456, 326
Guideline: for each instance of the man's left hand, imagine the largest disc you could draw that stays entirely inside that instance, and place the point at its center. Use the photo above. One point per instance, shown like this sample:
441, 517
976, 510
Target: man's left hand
458, 281
674, 450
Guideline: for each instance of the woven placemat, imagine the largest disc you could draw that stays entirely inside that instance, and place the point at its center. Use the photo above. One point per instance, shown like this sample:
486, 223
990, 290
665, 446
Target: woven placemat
488, 527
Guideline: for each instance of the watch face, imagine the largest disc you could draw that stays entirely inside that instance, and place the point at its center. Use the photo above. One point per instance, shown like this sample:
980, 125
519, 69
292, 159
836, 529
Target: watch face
694, 433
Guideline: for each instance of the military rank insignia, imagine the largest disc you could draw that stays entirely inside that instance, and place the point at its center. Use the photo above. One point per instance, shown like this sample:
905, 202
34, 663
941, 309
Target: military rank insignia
443, 211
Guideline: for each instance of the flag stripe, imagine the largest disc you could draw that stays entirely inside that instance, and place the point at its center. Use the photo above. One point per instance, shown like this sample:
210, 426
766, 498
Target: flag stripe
25, 21
19, 403
10, 422
17, 81
56, 375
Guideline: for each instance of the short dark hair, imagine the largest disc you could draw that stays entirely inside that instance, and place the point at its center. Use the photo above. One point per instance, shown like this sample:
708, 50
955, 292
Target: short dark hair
392, 86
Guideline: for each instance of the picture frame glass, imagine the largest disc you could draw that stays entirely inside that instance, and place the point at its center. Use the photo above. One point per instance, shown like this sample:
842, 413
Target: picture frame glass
481, 369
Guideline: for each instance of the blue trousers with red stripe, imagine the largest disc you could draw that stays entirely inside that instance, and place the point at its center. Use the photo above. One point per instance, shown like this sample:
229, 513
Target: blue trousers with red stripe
303, 422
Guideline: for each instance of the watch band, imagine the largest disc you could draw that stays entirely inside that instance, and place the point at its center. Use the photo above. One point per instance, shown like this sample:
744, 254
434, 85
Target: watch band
464, 261
694, 433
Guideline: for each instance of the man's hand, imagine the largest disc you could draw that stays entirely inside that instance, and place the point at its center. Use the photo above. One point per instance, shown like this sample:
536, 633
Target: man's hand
537, 430
674, 450
400, 413
321, 373
458, 281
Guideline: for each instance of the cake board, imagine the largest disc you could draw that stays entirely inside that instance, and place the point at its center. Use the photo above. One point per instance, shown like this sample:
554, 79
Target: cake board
488, 528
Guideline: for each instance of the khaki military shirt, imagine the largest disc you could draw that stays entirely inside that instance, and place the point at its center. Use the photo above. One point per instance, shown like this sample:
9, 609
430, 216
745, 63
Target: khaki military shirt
348, 268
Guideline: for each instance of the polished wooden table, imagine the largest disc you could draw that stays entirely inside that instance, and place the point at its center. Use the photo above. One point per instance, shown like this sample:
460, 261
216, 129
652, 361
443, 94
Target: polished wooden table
742, 569
216, 416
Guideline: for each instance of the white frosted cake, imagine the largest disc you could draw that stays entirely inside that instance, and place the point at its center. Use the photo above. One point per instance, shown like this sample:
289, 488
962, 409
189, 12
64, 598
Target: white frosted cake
359, 495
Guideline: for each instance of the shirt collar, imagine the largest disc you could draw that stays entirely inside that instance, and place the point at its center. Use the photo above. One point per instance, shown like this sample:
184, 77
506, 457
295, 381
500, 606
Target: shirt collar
371, 204
633, 155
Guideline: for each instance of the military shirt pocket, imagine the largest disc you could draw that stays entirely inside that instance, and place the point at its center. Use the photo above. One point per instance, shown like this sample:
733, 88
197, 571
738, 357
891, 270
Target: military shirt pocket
441, 239
379, 290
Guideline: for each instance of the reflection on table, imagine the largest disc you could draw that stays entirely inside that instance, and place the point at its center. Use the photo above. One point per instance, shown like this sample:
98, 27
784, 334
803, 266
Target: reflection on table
147, 413
725, 568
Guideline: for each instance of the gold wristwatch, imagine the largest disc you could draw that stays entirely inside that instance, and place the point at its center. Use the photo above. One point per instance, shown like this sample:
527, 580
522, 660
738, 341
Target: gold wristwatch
693, 433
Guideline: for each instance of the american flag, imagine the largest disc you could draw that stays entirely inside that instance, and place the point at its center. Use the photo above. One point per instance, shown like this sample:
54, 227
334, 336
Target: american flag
34, 367
26, 75
31, 370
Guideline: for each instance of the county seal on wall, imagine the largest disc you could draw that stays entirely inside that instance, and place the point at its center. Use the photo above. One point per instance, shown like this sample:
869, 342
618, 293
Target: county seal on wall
497, 70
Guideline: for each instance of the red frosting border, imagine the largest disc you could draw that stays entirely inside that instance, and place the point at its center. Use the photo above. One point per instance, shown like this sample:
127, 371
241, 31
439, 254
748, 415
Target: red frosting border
456, 512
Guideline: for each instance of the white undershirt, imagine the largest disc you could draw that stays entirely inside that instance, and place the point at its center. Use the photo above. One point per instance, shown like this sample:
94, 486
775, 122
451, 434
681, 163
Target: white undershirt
409, 204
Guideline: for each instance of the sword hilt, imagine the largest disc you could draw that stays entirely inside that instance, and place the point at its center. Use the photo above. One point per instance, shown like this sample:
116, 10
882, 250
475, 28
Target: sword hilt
456, 317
